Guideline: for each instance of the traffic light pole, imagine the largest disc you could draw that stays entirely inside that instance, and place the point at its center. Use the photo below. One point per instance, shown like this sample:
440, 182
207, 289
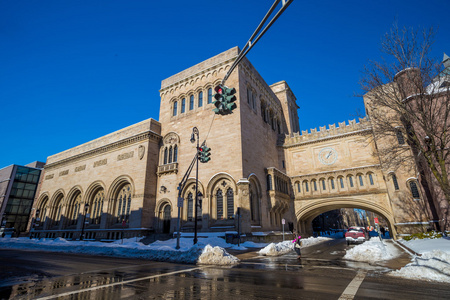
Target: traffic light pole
249, 45
195, 131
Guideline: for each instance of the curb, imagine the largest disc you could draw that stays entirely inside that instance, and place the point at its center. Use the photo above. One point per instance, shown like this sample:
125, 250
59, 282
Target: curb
408, 249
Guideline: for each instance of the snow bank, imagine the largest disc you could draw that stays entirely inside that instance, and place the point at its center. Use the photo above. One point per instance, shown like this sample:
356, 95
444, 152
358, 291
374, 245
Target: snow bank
287, 246
216, 256
372, 251
431, 266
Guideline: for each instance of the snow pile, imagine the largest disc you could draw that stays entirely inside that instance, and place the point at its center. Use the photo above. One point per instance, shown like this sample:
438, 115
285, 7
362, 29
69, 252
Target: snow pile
277, 249
288, 246
431, 266
428, 244
216, 256
372, 251
158, 251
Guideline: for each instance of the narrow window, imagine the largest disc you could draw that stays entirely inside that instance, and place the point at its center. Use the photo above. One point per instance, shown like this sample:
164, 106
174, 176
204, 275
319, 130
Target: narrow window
350, 180
170, 155
342, 182
175, 108
219, 199
175, 153
394, 180
400, 138
230, 204
323, 185
209, 95
371, 179
361, 180
183, 105
315, 185
306, 186
191, 102
190, 203
283, 164
254, 101
249, 95
165, 155
414, 190
298, 187
200, 99
269, 182
332, 183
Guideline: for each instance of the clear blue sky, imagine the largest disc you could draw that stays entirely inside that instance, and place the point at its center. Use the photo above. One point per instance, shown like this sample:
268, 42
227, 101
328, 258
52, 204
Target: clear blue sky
72, 71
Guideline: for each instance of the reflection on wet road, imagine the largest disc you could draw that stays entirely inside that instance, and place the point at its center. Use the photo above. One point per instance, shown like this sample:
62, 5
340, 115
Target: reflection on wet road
320, 274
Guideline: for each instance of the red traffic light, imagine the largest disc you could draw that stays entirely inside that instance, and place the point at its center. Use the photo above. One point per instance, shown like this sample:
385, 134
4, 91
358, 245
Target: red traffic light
218, 89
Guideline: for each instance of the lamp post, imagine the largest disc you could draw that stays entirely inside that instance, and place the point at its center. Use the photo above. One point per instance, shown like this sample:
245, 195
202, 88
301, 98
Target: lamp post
86, 207
194, 133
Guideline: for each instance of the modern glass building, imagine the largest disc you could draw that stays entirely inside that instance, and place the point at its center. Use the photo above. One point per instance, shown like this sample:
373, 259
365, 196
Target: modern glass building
18, 186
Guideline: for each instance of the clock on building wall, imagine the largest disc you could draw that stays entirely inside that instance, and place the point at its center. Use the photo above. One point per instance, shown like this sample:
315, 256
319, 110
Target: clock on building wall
328, 156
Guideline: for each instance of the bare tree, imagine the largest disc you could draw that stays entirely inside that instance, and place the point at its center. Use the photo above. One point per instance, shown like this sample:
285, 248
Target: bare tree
408, 101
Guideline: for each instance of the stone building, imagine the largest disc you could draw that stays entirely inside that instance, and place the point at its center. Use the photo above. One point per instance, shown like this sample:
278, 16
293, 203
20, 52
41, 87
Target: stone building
260, 163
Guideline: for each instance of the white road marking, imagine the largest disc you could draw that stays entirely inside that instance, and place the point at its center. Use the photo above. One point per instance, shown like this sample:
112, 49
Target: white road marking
353, 287
121, 283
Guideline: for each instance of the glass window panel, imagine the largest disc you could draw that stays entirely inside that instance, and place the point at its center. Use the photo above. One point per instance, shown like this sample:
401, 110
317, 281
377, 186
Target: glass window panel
183, 105
200, 99
191, 102
209, 95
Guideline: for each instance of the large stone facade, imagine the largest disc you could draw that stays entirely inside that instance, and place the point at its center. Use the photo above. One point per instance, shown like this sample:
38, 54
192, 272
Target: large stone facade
260, 164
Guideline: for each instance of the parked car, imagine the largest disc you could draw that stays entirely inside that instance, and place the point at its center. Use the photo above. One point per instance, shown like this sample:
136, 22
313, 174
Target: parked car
356, 235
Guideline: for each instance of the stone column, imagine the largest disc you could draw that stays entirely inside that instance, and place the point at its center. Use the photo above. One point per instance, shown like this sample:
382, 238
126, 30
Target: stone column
244, 204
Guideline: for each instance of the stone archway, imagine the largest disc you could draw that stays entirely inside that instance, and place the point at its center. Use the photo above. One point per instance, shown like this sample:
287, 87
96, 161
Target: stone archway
308, 212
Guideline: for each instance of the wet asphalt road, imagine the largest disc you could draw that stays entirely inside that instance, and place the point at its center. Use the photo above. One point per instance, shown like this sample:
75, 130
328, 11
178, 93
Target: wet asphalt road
321, 274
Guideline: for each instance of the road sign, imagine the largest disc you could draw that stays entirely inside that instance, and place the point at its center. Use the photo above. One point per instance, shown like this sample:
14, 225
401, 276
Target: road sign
376, 220
283, 221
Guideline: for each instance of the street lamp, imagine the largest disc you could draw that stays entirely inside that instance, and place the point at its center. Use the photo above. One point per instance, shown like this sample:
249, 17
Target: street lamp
194, 133
86, 207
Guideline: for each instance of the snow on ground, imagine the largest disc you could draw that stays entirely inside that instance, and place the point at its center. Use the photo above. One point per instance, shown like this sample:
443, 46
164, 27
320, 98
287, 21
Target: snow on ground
372, 251
432, 265
288, 246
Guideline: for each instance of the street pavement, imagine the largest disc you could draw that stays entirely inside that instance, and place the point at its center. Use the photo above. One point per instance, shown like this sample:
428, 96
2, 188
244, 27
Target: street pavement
320, 274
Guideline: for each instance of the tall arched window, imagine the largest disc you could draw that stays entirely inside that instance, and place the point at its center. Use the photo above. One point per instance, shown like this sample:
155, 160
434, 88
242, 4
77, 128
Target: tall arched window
332, 183
249, 95
298, 186
350, 181
98, 207
123, 204
323, 184
165, 155
341, 181
314, 185
191, 102
175, 153
414, 190
306, 186
175, 108
361, 183
219, 204
200, 99
209, 95
190, 207
394, 180
57, 209
74, 209
371, 179
230, 203
170, 154
183, 105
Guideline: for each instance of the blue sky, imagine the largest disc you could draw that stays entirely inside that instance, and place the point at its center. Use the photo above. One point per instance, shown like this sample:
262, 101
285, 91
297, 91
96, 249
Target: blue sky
72, 71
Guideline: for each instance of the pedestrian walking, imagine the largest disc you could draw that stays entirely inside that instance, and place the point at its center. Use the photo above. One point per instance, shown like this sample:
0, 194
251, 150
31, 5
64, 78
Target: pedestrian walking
297, 246
382, 230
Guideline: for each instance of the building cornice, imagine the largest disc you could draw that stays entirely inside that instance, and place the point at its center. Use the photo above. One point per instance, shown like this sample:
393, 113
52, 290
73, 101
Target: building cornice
148, 135
369, 167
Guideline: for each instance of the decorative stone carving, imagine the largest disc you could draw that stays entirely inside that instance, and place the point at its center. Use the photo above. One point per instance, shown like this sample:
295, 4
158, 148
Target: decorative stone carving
65, 172
125, 155
80, 168
141, 152
171, 138
100, 163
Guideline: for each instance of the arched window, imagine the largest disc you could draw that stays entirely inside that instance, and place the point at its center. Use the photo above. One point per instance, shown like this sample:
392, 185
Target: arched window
175, 153
269, 182
394, 180
165, 155
175, 108
314, 185
191, 102
74, 210
190, 207
323, 184
209, 95
263, 110
249, 95
350, 180
298, 186
200, 99
414, 190
123, 204
219, 204
370, 179
332, 183
57, 211
170, 155
254, 101
98, 207
341, 180
183, 105
361, 183
306, 186
230, 203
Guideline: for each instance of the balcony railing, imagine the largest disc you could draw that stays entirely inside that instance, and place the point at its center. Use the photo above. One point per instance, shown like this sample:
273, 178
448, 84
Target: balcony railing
168, 168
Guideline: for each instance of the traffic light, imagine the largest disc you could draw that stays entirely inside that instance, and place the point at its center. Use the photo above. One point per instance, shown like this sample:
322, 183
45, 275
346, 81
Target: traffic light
224, 100
204, 153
